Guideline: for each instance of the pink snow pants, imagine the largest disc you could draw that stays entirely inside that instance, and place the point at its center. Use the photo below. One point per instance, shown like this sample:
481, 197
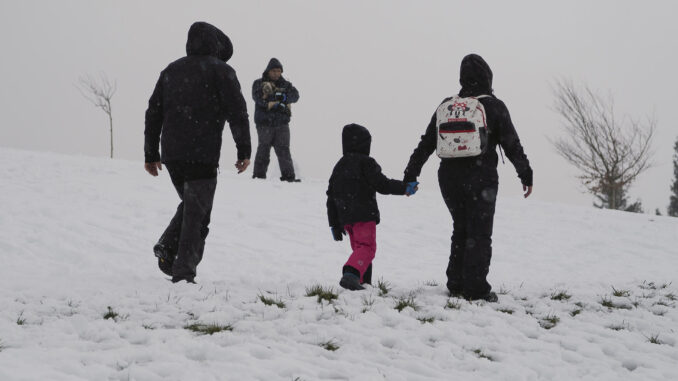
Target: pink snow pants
363, 237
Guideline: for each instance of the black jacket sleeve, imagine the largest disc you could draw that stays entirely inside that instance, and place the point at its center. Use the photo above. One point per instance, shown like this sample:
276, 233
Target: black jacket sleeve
426, 146
236, 113
509, 141
332, 215
381, 183
292, 93
154, 116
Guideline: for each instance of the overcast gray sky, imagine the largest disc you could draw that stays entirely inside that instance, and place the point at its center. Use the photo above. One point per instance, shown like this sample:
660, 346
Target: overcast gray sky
383, 64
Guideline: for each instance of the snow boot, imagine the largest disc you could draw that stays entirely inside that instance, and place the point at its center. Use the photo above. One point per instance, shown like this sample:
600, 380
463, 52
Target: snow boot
165, 258
490, 297
351, 282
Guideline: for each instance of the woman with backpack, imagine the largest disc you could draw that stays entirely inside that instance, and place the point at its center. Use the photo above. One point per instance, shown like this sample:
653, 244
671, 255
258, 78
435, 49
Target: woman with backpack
465, 131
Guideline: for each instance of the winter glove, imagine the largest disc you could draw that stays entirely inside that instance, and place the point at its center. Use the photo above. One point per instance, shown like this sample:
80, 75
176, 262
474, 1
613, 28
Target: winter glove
338, 233
411, 188
283, 108
281, 97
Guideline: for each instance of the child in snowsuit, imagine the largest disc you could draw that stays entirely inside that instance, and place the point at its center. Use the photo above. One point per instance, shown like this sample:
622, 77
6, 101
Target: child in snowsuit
352, 203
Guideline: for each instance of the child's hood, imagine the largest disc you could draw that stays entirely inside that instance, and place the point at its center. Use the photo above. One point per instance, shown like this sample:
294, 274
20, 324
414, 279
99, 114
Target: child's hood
356, 138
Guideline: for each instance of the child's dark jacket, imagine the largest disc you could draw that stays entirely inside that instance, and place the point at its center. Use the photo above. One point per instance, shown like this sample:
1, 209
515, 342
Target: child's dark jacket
351, 195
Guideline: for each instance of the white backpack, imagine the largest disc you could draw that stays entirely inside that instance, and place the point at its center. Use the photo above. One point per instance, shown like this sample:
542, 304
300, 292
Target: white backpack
461, 127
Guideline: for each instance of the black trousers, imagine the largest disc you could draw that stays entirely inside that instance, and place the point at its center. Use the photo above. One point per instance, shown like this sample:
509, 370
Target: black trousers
185, 235
277, 137
470, 198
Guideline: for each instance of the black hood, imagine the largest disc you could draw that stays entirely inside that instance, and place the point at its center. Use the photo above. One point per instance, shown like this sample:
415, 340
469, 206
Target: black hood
207, 40
356, 138
274, 63
475, 76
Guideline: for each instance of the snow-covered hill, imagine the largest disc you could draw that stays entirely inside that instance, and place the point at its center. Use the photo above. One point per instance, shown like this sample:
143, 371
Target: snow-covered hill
75, 245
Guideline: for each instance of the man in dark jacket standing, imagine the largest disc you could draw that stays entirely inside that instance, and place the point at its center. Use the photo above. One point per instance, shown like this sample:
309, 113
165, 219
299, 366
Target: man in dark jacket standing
469, 184
193, 98
273, 96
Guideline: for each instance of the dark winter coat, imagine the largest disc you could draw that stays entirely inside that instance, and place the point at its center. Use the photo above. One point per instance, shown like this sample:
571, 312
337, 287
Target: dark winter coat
351, 195
476, 79
193, 98
274, 116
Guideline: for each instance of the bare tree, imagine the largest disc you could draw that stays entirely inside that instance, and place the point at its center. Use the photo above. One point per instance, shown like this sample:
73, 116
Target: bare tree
99, 92
610, 153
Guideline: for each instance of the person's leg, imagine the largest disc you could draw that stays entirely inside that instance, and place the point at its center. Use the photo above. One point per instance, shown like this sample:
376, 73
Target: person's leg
263, 156
166, 247
198, 200
480, 201
451, 195
281, 145
363, 237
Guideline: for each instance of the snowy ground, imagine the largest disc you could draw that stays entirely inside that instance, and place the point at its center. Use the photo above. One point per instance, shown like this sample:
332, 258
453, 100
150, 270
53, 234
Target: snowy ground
75, 244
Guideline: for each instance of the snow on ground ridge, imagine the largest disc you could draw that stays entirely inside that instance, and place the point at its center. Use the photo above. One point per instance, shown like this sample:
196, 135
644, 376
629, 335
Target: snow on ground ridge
584, 294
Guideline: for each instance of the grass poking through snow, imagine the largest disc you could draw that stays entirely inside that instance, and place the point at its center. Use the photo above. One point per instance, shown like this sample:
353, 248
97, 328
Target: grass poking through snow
323, 293
482, 355
329, 345
384, 287
560, 295
271, 302
208, 329
403, 302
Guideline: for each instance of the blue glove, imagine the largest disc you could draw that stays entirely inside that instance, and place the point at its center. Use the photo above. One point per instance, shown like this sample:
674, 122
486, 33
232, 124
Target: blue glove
281, 97
411, 188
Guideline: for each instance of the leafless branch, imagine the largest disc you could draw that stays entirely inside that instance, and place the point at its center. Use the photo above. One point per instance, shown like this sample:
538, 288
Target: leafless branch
610, 153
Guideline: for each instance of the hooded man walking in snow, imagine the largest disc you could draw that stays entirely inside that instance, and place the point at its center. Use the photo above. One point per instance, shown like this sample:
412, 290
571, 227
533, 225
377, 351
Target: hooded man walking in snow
273, 96
192, 100
469, 184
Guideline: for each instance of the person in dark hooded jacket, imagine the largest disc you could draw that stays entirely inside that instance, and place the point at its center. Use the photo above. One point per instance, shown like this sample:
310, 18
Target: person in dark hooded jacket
469, 185
193, 98
273, 96
352, 203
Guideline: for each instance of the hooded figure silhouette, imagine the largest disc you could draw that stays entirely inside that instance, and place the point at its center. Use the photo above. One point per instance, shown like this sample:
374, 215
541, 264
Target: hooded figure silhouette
469, 185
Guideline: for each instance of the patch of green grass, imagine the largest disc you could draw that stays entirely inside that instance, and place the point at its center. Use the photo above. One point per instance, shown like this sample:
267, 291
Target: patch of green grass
431, 283
383, 286
323, 293
506, 310
607, 302
619, 327
111, 314
403, 302
329, 345
503, 290
654, 339
208, 329
560, 295
428, 319
368, 302
549, 321
663, 303
576, 312
648, 286
20, 319
148, 326
482, 355
670, 296
453, 304
620, 293
271, 302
